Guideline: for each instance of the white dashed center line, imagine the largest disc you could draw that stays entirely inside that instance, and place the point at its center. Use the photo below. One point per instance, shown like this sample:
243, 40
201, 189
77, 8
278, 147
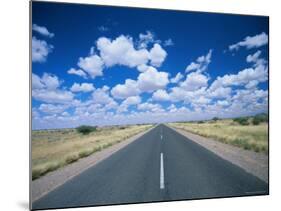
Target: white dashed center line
162, 184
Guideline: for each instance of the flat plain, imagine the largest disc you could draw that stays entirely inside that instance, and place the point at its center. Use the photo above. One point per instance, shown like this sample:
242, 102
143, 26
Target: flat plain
52, 149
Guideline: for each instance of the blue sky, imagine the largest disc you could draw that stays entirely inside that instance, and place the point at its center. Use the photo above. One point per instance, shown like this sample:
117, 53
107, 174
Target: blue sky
112, 65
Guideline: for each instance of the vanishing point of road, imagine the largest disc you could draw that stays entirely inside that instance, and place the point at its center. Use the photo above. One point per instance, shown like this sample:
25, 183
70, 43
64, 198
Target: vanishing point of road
161, 165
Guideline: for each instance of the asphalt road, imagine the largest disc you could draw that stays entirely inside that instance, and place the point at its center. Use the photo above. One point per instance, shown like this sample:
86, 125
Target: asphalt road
161, 165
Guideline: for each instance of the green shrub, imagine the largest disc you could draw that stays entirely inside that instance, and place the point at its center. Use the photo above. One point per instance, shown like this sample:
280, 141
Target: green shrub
260, 118
242, 120
215, 119
85, 129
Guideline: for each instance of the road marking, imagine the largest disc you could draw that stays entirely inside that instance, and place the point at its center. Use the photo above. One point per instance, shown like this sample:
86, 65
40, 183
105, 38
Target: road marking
162, 185
161, 137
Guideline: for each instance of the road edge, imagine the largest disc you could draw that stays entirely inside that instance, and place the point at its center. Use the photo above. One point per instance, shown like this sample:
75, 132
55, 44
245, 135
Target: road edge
252, 162
45, 184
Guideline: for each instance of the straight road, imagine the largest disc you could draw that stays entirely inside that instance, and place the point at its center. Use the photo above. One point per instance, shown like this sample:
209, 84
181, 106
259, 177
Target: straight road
161, 165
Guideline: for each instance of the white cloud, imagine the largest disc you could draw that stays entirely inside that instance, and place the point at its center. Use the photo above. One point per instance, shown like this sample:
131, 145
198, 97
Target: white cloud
157, 55
223, 102
201, 63
177, 78
52, 96
78, 72
220, 92
160, 95
168, 42
259, 73
36, 82
142, 67
51, 82
151, 80
252, 84
101, 96
134, 100
83, 87
48, 81
149, 106
194, 81
202, 100
92, 64
40, 50
46, 89
255, 59
145, 39
121, 91
148, 81
121, 51
251, 42
52, 109
42, 30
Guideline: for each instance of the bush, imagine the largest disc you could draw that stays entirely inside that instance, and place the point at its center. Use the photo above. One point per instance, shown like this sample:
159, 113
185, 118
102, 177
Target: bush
71, 158
242, 120
85, 129
260, 118
215, 119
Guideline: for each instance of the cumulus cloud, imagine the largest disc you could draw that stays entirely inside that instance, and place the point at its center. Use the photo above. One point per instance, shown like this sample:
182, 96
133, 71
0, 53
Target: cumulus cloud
78, 72
52, 109
251, 42
220, 92
243, 77
92, 64
48, 81
152, 79
168, 42
157, 55
150, 106
145, 39
122, 91
121, 51
46, 89
40, 50
201, 63
148, 81
194, 81
83, 87
160, 95
52, 96
101, 96
133, 100
177, 78
130, 101
255, 59
42, 30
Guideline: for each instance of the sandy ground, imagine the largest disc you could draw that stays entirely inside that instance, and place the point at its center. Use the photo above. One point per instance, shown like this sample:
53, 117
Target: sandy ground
50, 181
252, 162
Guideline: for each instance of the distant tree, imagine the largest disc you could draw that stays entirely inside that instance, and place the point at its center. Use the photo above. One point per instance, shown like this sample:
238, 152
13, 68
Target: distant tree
257, 119
242, 120
86, 129
215, 119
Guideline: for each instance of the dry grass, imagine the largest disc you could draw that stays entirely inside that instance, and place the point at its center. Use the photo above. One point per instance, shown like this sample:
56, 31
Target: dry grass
52, 149
249, 137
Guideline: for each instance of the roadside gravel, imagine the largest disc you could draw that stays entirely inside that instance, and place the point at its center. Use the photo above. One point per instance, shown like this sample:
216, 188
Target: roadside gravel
252, 162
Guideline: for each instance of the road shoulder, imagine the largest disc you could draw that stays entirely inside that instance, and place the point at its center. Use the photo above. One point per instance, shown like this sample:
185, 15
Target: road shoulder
252, 162
52, 180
